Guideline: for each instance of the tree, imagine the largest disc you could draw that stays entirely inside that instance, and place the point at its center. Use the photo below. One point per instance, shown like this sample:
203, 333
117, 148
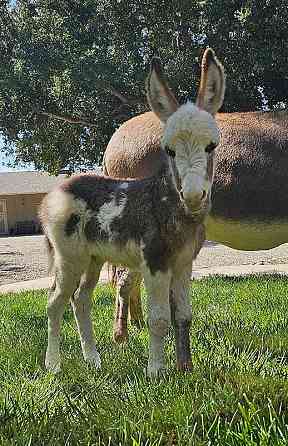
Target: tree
73, 70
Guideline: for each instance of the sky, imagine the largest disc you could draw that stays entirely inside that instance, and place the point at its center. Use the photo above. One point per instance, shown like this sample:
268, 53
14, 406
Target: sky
4, 160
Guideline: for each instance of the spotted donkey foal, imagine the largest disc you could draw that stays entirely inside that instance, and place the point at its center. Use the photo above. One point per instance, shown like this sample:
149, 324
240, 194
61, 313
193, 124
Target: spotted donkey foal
149, 225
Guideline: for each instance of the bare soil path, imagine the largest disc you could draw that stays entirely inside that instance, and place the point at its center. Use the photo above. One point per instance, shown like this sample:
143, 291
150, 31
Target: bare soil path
22, 258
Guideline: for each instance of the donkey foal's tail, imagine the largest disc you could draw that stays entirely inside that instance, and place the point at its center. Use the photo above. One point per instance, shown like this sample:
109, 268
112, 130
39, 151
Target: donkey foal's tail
50, 252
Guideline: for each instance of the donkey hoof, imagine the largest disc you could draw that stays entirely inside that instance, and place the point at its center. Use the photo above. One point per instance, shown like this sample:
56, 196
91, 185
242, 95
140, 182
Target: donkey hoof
52, 365
120, 336
154, 372
138, 323
93, 360
185, 366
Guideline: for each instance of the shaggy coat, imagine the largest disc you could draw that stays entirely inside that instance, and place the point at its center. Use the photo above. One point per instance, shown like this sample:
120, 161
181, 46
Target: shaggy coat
127, 222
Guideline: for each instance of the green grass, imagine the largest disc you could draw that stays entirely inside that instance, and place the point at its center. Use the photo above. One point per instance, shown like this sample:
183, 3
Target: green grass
236, 395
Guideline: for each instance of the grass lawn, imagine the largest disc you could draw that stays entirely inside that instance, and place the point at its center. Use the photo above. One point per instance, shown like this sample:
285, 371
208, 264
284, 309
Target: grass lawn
236, 395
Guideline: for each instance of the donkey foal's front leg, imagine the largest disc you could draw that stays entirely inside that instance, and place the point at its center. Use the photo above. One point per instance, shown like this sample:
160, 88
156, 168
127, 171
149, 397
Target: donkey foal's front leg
159, 318
181, 318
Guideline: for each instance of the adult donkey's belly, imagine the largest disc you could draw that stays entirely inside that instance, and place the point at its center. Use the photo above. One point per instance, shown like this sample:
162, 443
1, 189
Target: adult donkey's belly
247, 235
250, 189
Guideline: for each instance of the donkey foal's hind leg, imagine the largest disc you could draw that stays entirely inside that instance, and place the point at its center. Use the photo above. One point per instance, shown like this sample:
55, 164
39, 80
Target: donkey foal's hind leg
62, 289
82, 303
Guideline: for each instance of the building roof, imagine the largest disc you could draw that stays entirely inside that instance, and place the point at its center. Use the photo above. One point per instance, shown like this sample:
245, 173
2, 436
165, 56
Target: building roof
27, 182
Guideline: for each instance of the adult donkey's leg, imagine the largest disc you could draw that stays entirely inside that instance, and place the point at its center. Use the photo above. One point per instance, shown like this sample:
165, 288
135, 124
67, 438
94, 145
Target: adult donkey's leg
181, 317
135, 307
159, 317
82, 303
128, 294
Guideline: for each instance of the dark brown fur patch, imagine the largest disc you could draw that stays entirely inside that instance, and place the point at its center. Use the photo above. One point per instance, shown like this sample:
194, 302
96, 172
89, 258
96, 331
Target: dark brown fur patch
93, 231
71, 224
156, 255
157, 226
182, 340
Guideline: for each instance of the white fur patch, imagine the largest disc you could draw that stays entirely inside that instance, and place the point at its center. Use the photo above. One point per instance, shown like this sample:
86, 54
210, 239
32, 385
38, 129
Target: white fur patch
62, 204
59, 204
189, 121
188, 132
194, 181
129, 255
109, 211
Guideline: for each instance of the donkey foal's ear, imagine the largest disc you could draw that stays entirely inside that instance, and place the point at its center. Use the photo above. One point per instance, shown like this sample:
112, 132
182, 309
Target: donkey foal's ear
161, 99
212, 85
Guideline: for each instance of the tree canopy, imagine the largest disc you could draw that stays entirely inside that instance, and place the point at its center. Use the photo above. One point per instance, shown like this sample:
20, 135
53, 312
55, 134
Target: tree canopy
73, 70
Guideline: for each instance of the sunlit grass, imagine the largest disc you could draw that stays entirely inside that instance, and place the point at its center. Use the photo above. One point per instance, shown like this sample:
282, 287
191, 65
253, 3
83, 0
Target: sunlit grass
237, 393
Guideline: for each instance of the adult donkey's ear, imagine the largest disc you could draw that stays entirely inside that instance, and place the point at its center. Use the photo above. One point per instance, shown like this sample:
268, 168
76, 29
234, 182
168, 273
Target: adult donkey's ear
161, 99
212, 85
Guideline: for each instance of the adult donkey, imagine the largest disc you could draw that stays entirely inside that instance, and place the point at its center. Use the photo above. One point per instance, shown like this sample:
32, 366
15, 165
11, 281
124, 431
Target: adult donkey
250, 188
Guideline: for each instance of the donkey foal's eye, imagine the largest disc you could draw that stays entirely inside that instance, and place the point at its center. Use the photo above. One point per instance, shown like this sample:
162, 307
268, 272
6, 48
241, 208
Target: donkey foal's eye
169, 152
212, 146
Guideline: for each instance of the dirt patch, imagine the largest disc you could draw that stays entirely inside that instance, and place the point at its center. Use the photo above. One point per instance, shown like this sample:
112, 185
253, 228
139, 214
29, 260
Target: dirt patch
22, 258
